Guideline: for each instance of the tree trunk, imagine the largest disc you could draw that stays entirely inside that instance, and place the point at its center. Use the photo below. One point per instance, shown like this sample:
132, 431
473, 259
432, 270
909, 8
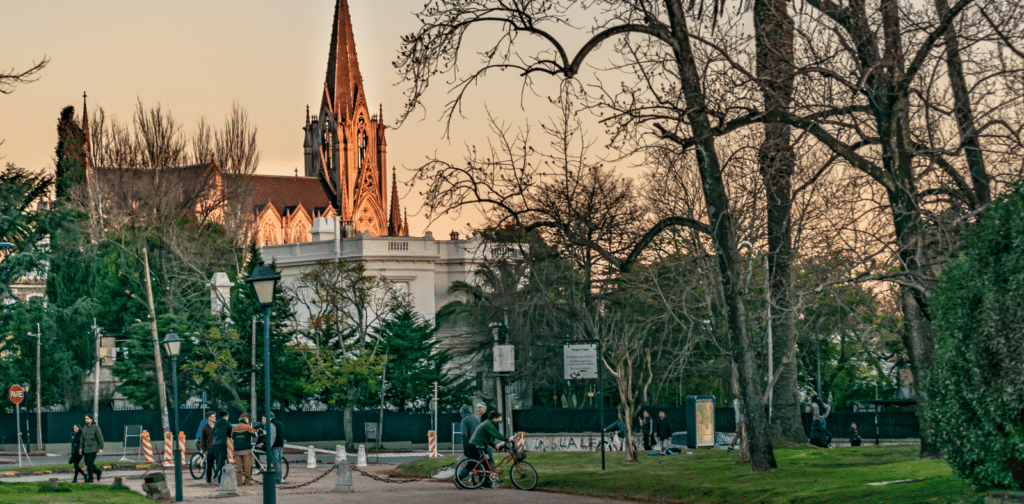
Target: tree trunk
774, 37
762, 455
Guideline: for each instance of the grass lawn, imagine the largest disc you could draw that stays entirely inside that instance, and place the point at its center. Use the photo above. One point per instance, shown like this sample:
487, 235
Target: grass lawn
23, 493
61, 468
806, 475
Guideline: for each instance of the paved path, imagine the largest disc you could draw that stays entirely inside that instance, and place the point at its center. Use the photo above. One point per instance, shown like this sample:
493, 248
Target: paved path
366, 489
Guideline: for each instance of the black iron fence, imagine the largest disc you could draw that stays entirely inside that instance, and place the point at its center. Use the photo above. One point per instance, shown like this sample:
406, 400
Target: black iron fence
306, 426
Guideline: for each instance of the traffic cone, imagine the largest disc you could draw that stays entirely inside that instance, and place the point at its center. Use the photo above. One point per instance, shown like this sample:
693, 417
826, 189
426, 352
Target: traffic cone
147, 447
181, 447
231, 451
168, 449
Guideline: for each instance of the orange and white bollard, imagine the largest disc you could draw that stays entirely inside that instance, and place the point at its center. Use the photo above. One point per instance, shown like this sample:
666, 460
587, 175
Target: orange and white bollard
520, 441
147, 447
432, 443
168, 449
181, 447
231, 451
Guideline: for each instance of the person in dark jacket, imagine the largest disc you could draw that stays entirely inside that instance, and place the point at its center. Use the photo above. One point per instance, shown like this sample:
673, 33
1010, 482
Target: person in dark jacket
468, 427
820, 436
76, 452
241, 436
276, 441
647, 429
92, 445
206, 444
221, 432
854, 435
484, 438
664, 431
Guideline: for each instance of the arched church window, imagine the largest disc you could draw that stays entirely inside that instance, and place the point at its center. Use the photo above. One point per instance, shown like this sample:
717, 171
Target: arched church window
362, 147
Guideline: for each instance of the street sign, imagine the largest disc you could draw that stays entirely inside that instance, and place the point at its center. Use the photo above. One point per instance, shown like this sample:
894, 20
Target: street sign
16, 394
580, 361
504, 359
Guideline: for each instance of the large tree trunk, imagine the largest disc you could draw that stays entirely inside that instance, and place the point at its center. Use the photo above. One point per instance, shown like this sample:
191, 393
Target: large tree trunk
774, 37
762, 455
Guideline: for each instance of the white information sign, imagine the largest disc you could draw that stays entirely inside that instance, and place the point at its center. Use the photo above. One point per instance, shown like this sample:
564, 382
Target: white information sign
580, 361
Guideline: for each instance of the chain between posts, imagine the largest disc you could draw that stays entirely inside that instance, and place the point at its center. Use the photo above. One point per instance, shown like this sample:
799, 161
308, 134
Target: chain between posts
400, 481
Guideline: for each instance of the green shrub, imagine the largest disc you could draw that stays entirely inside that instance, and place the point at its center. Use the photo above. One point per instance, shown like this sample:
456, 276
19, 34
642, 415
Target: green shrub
976, 386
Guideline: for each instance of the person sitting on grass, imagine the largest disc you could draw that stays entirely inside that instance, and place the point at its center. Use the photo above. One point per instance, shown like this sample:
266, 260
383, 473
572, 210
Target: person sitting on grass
820, 436
854, 435
486, 435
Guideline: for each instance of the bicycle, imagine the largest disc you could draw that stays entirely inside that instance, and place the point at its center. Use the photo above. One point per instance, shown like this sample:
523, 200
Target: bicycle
197, 465
259, 464
522, 474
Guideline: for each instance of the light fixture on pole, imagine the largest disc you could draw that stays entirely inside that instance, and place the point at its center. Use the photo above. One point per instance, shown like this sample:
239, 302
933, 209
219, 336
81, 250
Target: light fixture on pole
172, 346
768, 308
264, 282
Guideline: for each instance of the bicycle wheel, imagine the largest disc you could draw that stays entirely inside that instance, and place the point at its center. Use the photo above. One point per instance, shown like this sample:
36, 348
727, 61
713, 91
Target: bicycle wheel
524, 476
474, 476
284, 468
197, 466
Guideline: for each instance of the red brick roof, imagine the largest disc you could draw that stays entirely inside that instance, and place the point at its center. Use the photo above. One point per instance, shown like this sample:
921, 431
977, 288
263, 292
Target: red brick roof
286, 191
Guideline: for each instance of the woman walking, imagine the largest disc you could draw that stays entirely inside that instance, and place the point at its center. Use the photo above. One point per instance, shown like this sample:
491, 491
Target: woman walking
92, 445
76, 452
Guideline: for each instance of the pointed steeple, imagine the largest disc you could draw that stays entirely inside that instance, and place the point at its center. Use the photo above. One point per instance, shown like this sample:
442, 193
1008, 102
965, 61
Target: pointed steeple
307, 115
344, 82
86, 143
405, 225
395, 226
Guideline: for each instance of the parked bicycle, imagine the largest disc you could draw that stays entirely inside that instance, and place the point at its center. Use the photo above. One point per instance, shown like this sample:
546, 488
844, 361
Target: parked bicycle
259, 464
197, 465
522, 474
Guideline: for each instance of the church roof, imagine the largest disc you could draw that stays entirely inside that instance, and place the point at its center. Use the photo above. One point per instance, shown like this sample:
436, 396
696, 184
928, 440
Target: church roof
286, 191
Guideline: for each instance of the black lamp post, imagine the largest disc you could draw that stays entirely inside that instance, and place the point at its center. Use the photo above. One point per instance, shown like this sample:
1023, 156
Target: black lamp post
264, 282
172, 346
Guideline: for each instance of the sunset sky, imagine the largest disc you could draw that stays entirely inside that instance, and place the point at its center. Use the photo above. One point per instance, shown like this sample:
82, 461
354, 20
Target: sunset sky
195, 57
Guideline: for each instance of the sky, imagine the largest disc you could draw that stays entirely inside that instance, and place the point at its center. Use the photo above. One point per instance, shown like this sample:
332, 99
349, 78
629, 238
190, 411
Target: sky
196, 57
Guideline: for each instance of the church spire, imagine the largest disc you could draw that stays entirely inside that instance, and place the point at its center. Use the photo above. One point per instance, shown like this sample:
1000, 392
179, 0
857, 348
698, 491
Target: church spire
86, 143
405, 225
395, 226
344, 82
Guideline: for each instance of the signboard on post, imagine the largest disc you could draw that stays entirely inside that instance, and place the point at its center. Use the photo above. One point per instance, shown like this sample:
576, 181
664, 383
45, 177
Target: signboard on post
504, 359
580, 361
700, 421
16, 394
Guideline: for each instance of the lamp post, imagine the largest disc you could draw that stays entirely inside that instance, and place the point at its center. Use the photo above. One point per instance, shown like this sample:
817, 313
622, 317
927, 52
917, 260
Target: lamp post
768, 307
172, 345
264, 282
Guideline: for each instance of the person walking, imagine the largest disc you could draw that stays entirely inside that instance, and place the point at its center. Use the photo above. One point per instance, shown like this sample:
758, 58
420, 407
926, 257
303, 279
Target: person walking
221, 432
820, 436
467, 427
647, 430
242, 435
664, 432
92, 445
76, 452
206, 444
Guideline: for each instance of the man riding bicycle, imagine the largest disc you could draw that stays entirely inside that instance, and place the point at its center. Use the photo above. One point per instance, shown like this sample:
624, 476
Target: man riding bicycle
486, 434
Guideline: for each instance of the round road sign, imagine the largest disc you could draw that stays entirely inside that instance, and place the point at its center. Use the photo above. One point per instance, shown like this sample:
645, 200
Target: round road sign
16, 394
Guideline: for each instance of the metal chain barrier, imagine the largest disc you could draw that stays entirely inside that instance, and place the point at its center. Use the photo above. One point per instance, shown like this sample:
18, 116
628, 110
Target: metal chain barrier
385, 479
310, 482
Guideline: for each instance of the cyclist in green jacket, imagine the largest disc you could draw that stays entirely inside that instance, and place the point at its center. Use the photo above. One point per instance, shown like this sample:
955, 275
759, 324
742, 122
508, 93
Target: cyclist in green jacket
486, 434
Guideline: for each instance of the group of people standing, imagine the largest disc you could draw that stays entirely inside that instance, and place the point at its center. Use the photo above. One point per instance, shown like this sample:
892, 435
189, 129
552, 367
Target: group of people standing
213, 442
656, 433
86, 443
480, 435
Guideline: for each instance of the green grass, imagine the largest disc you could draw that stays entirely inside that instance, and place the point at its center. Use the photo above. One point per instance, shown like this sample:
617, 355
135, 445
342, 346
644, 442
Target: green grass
60, 468
24, 493
806, 475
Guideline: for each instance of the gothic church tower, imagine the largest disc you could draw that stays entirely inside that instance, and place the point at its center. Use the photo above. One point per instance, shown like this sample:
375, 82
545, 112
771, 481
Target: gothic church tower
344, 145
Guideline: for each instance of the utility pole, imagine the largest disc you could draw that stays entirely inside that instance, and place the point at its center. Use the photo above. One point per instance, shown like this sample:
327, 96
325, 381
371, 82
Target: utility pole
96, 374
252, 374
39, 393
161, 387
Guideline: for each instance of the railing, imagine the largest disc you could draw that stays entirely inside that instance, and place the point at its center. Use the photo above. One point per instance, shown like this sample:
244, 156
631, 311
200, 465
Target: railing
398, 246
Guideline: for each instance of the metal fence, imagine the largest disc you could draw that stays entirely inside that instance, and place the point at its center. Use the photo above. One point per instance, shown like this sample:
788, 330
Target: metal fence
303, 426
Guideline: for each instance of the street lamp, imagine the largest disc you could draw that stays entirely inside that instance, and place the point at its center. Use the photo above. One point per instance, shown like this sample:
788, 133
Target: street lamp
768, 305
264, 282
172, 345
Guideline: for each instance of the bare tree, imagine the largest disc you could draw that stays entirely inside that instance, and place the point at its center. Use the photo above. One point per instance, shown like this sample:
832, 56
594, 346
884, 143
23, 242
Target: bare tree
10, 79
